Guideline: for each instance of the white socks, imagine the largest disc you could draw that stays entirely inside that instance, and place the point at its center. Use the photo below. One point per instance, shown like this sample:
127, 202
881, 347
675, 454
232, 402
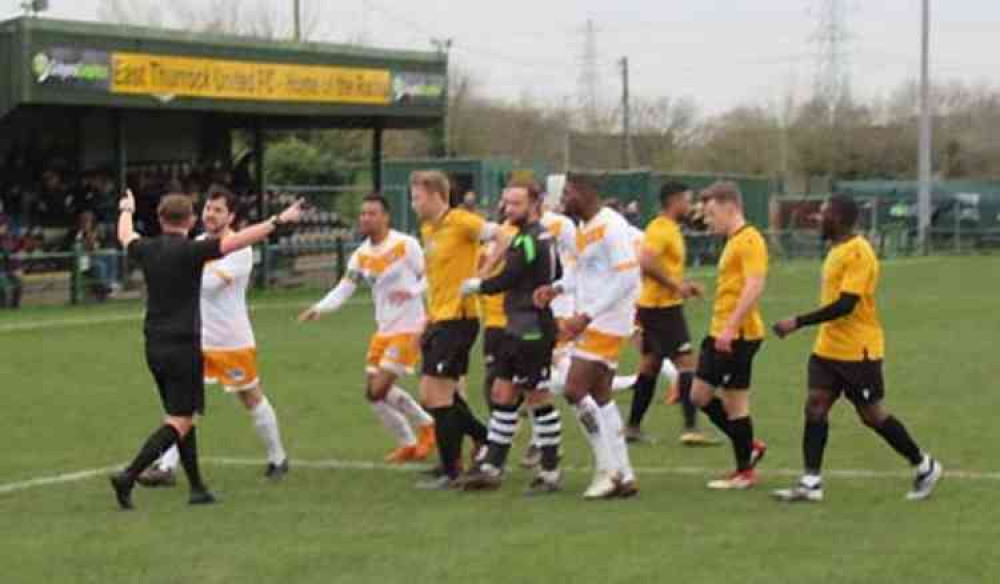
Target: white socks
395, 423
170, 459
588, 413
668, 373
406, 405
558, 375
811, 481
265, 422
612, 419
623, 382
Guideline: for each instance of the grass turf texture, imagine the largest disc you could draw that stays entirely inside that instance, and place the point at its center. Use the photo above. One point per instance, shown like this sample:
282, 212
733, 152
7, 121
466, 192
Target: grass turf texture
77, 396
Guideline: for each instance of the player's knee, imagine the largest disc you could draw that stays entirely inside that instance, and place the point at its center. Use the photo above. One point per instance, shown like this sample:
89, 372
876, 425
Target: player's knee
817, 408
871, 417
251, 399
181, 425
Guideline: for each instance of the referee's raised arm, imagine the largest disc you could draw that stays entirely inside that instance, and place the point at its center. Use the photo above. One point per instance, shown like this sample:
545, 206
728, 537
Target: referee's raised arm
235, 242
126, 230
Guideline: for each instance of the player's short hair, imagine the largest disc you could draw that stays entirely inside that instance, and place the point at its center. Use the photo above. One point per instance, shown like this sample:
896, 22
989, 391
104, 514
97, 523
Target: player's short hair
846, 209
583, 182
379, 199
175, 209
671, 189
532, 187
219, 193
433, 181
723, 192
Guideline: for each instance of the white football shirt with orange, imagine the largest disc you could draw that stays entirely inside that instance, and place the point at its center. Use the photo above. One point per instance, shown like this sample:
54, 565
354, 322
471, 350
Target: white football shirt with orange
563, 232
396, 264
606, 286
227, 339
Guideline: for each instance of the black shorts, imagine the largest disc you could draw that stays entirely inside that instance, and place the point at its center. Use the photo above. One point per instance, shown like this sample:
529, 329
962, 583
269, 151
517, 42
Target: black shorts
727, 370
860, 381
664, 332
179, 372
525, 363
445, 347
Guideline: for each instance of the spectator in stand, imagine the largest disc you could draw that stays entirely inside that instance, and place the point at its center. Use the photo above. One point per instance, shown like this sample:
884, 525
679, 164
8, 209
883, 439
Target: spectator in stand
97, 267
11, 274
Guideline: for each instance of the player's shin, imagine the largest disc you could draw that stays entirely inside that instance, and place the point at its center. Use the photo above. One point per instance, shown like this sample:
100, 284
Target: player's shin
157, 443
588, 413
547, 435
265, 423
395, 423
504, 423
612, 419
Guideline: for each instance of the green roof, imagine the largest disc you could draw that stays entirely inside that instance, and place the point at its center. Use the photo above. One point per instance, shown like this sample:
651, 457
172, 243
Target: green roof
402, 88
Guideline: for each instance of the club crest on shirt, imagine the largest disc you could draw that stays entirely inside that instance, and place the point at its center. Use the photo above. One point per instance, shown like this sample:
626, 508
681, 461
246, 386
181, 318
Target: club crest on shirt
236, 374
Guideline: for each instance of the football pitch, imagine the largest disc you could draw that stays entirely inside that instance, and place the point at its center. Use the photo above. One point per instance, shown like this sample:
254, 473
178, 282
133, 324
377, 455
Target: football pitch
78, 400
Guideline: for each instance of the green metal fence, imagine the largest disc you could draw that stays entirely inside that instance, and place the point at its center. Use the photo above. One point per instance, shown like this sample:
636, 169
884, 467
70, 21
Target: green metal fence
78, 277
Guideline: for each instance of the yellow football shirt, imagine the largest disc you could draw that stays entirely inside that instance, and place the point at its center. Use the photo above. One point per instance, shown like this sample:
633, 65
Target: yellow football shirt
451, 250
851, 267
664, 239
745, 255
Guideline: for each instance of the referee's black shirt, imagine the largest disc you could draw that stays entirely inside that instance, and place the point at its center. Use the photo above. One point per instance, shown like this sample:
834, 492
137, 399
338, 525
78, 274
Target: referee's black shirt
172, 266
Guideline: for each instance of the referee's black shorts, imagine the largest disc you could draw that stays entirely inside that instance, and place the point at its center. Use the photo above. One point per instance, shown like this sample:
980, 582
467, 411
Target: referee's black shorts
445, 347
178, 369
664, 332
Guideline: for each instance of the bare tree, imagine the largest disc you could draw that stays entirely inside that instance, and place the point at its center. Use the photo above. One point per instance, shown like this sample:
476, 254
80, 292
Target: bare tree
254, 18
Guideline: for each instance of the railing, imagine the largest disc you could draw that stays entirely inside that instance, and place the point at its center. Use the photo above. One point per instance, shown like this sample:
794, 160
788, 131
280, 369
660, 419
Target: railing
296, 260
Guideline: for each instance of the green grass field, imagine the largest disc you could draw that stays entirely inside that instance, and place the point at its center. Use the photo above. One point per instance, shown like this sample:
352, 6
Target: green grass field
77, 397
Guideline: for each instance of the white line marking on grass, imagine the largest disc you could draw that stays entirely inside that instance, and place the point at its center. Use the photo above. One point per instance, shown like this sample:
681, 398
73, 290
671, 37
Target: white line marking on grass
362, 465
71, 477
334, 464
137, 316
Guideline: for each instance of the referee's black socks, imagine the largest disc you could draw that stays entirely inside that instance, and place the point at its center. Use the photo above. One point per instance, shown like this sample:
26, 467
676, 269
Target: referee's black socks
188, 449
157, 443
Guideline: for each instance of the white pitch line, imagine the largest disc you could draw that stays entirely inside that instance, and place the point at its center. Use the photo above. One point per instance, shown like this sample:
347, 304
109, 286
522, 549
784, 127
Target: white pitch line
362, 465
335, 464
71, 477
137, 316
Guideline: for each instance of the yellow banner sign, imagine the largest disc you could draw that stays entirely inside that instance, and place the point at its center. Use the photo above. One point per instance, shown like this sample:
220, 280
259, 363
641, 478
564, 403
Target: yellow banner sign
167, 77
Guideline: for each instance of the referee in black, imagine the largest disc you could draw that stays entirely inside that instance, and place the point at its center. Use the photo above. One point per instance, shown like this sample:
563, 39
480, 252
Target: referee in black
172, 266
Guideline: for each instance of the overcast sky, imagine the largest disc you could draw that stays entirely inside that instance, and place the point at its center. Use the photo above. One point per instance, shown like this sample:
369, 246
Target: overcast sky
718, 52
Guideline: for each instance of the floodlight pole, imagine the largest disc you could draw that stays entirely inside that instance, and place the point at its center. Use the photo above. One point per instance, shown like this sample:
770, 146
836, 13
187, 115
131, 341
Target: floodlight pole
925, 163
297, 6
